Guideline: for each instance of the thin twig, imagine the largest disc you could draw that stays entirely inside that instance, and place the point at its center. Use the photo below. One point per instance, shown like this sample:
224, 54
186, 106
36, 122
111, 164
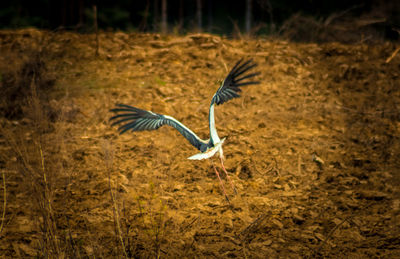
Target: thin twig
116, 215
338, 225
108, 157
4, 202
47, 204
299, 164
96, 29
253, 226
393, 55
339, 14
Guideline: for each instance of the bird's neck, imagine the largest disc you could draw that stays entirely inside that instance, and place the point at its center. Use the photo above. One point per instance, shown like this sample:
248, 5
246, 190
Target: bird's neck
214, 138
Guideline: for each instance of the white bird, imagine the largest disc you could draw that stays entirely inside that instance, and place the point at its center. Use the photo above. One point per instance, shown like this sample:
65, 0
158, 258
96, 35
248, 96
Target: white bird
135, 119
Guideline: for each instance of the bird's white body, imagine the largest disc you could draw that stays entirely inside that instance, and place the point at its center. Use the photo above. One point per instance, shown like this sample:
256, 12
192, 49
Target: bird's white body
210, 152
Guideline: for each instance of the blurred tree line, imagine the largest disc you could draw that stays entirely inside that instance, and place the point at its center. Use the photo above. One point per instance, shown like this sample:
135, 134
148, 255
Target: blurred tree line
225, 17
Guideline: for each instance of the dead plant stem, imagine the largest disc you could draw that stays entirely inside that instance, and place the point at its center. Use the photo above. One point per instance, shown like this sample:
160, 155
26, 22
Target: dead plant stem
47, 205
4, 202
117, 220
96, 29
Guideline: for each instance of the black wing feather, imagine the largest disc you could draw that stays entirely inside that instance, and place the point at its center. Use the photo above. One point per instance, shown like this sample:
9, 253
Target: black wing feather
135, 119
230, 88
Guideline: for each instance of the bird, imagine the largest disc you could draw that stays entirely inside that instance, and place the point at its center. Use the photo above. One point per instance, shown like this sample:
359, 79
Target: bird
133, 119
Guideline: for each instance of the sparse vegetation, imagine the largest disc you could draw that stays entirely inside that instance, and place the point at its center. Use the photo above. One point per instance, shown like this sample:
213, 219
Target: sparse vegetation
313, 150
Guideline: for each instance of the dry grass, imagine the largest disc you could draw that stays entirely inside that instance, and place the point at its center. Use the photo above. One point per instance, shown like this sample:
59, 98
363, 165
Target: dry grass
37, 161
312, 150
338, 27
35, 152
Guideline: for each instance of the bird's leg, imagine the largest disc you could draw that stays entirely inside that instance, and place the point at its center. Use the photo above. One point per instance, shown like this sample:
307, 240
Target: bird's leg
227, 176
220, 181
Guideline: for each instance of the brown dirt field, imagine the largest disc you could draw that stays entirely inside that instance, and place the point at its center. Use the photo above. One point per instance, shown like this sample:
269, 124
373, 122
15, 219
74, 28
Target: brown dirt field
313, 150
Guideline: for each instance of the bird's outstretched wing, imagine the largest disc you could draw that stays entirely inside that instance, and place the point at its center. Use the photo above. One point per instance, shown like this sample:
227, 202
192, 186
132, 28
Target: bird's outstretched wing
134, 119
236, 78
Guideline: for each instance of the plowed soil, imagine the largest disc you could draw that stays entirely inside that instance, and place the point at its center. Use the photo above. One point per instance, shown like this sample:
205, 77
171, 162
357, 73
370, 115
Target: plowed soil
313, 150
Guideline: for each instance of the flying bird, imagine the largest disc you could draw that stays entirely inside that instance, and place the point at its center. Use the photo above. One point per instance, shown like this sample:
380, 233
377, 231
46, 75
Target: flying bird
134, 119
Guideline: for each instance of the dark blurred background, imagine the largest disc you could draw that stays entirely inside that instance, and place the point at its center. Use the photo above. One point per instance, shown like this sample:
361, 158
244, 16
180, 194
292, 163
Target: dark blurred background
307, 20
